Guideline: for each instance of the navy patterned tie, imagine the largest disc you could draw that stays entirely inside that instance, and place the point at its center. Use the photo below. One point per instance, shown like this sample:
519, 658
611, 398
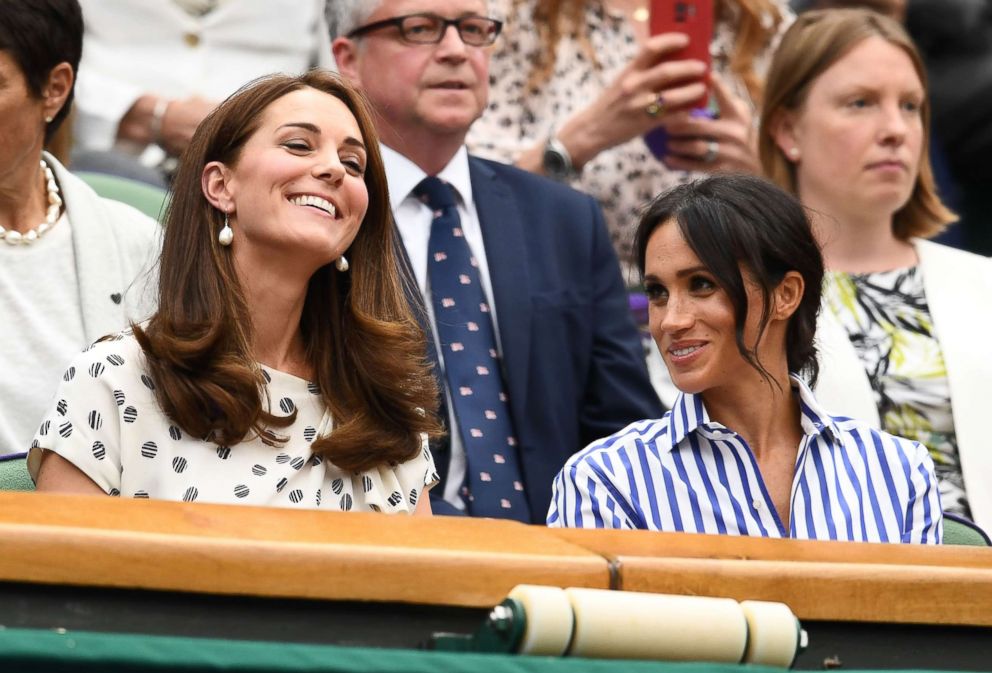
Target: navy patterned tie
494, 487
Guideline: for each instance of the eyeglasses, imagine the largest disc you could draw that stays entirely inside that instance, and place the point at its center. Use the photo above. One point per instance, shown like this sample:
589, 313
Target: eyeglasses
475, 31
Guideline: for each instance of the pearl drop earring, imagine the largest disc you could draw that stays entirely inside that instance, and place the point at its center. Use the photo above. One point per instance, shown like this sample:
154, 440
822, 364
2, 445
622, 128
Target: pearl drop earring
794, 153
341, 264
48, 119
226, 234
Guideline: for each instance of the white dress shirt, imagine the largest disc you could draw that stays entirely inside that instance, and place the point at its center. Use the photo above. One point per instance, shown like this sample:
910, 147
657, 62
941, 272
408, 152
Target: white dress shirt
413, 219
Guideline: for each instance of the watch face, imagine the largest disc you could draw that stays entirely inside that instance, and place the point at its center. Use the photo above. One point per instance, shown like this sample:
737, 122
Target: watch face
554, 164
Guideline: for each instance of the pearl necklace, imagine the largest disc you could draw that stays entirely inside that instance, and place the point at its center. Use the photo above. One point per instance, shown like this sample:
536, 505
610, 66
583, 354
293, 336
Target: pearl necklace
51, 217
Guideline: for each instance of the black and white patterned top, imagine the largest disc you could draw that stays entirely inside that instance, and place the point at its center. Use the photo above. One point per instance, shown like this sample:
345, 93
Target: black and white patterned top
106, 421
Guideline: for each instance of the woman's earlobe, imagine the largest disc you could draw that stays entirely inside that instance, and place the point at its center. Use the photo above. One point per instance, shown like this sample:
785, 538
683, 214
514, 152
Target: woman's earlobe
789, 294
214, 182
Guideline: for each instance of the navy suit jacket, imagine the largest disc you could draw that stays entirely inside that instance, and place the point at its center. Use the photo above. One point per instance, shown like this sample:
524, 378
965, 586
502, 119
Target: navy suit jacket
573, 362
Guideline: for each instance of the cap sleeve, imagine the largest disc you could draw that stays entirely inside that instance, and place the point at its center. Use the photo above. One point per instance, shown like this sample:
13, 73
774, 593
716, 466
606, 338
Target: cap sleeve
396, 488
83, 422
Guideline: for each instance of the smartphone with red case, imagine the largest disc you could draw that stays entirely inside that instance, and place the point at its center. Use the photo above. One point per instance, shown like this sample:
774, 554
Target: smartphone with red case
692, 17
695, 19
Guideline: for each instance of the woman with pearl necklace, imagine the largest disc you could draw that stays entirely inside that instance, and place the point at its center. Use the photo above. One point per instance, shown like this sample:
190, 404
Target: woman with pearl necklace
71, 262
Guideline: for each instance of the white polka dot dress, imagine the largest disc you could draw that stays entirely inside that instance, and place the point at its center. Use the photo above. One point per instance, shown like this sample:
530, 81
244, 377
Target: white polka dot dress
106, 421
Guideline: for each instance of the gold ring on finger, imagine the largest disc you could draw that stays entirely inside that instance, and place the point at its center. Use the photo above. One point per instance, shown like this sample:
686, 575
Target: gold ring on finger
655, 107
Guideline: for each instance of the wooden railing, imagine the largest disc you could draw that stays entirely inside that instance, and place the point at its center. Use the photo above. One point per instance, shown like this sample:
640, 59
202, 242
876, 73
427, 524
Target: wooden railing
235, 550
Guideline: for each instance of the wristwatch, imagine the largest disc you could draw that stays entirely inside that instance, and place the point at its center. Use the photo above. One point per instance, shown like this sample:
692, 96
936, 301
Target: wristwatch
556, 162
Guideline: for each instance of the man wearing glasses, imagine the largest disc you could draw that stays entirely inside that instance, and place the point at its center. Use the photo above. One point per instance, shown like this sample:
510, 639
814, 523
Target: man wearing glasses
534, 343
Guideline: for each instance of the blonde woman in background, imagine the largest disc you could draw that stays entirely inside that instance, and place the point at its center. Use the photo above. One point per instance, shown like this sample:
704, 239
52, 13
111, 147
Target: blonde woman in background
904, 323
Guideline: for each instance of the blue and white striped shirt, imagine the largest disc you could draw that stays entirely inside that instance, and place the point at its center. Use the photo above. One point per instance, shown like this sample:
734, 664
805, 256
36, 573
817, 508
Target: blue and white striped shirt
684, 472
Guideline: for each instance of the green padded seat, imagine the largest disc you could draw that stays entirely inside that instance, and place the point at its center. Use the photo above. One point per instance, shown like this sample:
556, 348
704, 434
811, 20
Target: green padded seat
146, 198
14, 473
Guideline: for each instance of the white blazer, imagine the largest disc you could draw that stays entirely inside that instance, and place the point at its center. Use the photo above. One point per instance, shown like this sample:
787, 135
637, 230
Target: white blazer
116, 248
958, 288
132, 47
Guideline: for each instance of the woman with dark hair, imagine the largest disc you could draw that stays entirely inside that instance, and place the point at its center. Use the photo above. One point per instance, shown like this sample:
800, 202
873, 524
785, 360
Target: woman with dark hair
903, 333
69, 260
283, 366
733, 274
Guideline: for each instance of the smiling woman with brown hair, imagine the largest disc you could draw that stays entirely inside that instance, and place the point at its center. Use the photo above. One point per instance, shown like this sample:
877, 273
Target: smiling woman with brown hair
283, 366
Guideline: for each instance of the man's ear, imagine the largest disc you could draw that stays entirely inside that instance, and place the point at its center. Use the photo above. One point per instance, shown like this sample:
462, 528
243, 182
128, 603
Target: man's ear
345, 52
216, 184
783, 131
57, 88
787, 295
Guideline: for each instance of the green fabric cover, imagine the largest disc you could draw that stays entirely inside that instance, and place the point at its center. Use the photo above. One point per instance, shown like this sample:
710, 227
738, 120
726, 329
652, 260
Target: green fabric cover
146, 198
83, 652
959, 533
14, 475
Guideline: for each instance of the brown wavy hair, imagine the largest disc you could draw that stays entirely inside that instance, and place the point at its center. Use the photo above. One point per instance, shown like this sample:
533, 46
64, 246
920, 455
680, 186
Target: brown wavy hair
816, 41
756, 24
362, 341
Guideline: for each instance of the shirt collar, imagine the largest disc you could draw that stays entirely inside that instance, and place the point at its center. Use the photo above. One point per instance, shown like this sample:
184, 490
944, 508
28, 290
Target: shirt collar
688, 415
402, 176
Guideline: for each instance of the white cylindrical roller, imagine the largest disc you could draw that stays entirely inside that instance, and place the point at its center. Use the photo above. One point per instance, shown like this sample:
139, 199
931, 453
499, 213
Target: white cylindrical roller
628, 625
773, 633
549, 619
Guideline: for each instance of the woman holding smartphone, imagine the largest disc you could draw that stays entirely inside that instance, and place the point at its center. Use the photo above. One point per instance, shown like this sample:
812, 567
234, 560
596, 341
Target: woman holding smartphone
733, 273
577, 83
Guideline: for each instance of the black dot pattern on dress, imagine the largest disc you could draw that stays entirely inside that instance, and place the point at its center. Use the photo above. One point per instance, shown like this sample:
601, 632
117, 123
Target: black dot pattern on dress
114, 492
265, 375
81, 406
35, 444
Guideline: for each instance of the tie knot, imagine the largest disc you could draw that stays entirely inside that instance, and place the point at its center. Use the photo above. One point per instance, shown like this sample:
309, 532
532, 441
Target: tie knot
435, 192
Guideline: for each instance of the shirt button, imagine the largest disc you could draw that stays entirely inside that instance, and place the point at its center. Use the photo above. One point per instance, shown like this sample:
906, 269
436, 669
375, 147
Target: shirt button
756, 504
191, 39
